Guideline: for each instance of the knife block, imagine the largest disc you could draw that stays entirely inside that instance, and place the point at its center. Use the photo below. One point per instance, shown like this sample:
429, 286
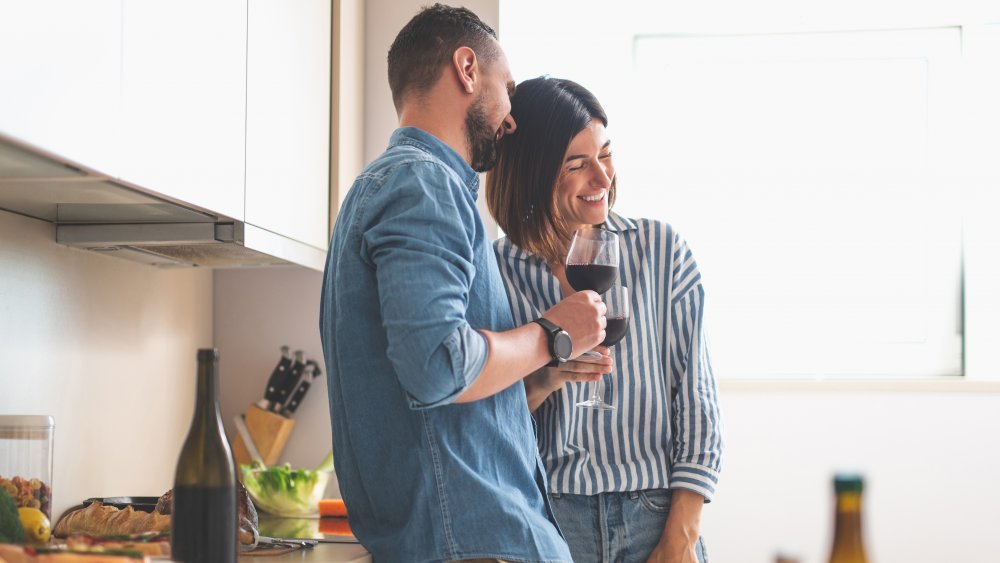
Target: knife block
270, 433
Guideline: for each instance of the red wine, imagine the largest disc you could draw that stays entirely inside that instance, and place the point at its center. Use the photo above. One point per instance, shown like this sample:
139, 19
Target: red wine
615, 331
202, 520
596, 277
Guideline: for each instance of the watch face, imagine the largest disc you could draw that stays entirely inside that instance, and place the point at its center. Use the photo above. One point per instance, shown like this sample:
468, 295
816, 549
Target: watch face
563, 345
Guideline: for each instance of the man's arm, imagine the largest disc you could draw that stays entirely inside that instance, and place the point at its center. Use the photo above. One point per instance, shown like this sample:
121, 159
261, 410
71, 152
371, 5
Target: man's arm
415, 238
546, 381
515, 353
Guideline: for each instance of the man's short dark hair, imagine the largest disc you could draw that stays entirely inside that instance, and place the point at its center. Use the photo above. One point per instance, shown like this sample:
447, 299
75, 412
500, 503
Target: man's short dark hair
427, 43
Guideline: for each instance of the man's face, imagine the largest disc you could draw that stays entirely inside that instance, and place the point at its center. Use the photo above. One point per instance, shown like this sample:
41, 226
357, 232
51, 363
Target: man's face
488, 118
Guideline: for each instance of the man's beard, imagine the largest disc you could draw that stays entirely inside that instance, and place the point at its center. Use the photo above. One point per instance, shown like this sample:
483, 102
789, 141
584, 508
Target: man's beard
483, 143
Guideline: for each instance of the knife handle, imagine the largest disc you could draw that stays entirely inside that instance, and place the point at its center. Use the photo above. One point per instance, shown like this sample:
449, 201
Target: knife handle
275, 383
300, 392
287, 387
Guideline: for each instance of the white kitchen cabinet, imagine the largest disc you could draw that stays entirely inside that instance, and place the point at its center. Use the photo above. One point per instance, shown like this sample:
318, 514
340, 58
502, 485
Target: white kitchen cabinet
288, 118
222, 107
60, 77
184, 100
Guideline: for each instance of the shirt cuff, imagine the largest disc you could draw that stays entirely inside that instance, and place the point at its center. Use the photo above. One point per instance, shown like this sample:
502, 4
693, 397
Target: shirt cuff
476, 351
693, 477
466, 350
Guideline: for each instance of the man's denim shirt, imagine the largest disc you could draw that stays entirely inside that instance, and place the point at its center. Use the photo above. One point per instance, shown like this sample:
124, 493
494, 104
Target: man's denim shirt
409, 276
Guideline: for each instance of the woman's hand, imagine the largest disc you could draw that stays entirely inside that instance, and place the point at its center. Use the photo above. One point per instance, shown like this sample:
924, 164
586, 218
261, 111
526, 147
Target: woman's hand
665, 553
545, 381
680, 535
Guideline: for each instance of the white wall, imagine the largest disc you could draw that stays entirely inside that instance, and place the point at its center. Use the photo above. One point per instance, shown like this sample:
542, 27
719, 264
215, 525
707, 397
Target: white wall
930, 459
256, 312
108, 348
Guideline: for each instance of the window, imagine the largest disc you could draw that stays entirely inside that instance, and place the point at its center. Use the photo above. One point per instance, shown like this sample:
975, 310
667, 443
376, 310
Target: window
800, 166
818, 177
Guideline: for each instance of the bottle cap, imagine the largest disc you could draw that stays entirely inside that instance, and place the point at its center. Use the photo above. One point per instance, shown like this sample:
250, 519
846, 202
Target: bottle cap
208, 354
848, 483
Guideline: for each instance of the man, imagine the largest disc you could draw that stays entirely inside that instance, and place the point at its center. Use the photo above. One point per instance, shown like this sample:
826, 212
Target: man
434, 446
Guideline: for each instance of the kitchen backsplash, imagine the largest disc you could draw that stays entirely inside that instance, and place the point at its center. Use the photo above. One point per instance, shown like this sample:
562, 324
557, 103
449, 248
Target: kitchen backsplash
256, 312
105, 346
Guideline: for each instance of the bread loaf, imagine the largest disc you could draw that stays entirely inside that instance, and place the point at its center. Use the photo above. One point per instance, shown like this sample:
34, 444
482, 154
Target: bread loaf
100, 520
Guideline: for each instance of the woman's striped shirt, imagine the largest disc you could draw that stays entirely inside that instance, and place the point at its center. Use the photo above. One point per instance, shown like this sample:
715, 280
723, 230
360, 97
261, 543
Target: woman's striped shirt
665, 431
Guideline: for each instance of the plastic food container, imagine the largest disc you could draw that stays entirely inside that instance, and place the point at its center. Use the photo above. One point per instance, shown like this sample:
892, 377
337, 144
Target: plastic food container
26, 460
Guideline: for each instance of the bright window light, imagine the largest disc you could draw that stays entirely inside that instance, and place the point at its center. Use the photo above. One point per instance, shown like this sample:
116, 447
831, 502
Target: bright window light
812, 174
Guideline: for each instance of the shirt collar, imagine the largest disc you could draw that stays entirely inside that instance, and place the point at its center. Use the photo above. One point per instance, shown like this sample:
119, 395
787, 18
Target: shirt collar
436, 147
614, 223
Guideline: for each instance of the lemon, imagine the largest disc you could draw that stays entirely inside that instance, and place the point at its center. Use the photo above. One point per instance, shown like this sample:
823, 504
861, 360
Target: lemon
36, 526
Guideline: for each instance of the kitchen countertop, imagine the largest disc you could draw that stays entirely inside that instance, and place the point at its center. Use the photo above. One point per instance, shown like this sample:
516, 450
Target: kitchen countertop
322, 553
325, 552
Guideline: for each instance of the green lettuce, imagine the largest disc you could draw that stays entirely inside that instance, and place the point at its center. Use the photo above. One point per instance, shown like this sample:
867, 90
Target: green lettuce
284, 491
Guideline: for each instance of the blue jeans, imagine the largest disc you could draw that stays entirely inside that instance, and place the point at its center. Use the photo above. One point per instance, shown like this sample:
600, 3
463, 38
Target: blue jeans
615, 527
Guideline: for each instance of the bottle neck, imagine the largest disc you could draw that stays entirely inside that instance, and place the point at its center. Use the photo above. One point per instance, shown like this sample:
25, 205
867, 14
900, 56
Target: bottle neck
207, 399
847, 527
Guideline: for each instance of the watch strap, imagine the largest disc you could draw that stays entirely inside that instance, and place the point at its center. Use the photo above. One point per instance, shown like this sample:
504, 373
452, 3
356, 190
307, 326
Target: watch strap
551, 329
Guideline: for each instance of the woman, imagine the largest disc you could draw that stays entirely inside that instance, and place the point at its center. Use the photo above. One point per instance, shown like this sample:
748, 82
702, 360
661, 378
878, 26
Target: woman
626, 484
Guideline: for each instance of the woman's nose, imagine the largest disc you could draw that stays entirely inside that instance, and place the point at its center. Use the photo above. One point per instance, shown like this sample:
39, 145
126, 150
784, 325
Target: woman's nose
604, 174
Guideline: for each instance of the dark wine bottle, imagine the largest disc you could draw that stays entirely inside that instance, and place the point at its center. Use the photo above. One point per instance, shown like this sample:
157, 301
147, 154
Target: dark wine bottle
203, 526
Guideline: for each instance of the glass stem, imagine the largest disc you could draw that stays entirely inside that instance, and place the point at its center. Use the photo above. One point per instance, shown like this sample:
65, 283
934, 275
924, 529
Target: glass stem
598, 395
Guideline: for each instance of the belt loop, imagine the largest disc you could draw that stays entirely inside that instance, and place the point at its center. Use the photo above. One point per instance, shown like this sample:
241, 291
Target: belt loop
633, 495
555, 495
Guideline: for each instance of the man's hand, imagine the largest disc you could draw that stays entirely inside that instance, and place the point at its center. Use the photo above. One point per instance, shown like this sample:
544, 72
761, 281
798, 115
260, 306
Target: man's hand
582, 315
680, 535
542, 383
516, 353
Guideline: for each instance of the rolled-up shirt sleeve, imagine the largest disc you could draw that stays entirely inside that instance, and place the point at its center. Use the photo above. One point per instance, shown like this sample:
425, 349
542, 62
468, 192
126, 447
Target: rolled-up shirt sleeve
419, 241
697, 455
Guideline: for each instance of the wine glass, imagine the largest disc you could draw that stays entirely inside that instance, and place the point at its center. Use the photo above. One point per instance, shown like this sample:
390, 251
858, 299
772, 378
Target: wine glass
616, 300
592, 261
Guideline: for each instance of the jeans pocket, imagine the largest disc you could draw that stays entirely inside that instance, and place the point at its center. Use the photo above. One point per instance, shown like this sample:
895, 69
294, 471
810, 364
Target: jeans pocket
655, 500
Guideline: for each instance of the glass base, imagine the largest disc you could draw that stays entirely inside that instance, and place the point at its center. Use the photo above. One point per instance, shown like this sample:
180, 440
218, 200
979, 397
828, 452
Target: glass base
596, 404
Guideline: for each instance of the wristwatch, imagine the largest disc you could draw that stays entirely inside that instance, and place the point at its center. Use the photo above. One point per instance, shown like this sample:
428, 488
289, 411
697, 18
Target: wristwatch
560, 343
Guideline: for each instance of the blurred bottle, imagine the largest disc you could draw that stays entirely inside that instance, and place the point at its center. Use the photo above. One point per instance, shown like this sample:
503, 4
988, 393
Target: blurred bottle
848, 546
203, 521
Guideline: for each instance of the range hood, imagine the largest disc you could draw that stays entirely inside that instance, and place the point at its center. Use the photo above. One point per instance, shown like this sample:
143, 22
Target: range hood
102, 214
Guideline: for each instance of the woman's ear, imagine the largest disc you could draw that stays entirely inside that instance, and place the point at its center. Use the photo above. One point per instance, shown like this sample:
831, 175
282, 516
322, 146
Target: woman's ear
466, 67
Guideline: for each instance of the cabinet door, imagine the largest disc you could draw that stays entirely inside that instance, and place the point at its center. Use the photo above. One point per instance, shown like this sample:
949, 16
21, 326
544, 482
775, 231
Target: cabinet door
60, 66
288, 118
184, 100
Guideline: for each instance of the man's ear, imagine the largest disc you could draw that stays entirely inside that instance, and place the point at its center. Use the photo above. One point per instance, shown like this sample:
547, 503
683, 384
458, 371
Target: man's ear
466, 67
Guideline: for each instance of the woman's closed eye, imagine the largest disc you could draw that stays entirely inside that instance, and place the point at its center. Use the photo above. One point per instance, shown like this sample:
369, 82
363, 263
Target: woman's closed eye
583, 163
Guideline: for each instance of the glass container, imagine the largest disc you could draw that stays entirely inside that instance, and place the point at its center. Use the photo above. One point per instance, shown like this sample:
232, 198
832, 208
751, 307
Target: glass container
26, 460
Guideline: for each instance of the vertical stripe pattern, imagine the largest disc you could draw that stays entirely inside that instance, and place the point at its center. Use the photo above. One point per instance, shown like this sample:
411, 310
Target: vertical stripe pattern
665, 431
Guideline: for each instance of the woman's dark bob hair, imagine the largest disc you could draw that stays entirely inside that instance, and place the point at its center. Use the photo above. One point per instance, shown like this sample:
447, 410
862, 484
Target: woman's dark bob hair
520, 190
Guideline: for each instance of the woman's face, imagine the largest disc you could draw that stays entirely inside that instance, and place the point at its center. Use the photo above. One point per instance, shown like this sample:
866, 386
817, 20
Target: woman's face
585, 178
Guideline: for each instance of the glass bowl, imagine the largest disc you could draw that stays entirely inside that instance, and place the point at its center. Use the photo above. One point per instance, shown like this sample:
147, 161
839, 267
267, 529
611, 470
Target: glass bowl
283, 491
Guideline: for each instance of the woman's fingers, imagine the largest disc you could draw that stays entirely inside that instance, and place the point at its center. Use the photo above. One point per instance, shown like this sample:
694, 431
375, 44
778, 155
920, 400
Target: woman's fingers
584, 371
